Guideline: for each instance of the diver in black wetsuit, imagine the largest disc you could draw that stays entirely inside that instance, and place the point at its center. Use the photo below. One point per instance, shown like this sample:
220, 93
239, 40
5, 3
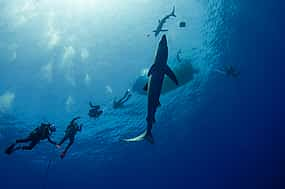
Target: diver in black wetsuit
42, 132
70, 133
125, 98
229, 71
95, 110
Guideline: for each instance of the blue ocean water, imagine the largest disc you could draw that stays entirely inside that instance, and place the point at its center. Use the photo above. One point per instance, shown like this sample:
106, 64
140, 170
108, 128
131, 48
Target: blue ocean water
212, 132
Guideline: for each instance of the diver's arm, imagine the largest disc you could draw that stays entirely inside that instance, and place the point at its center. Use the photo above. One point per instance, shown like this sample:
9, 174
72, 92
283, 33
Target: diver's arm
90, 104
80, 127
51, 141
74, 119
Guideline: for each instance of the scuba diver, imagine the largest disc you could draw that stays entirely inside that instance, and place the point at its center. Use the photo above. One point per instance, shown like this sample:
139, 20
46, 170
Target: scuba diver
229, 71
95, 110
42, 132
125, 98
70, 133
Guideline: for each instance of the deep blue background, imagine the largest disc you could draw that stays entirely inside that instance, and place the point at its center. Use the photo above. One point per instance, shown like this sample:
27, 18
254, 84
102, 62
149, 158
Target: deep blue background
236, 139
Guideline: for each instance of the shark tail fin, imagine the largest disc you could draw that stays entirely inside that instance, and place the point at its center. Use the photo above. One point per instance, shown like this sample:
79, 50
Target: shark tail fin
146, 135
173, 12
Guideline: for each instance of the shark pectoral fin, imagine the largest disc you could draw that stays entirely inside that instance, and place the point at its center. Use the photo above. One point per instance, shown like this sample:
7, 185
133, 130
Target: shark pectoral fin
145, 87
170, 74
154, 31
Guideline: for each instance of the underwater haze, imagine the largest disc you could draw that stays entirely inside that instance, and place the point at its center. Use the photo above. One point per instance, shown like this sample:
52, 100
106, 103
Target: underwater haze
212, 131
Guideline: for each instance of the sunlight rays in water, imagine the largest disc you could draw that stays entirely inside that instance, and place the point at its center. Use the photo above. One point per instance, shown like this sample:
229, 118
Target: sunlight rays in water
76, 36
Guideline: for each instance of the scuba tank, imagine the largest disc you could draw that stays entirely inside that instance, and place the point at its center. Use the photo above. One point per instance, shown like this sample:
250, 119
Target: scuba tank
42, 131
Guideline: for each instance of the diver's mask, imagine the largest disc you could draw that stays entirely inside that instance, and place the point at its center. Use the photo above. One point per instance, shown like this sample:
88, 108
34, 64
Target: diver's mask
52, 128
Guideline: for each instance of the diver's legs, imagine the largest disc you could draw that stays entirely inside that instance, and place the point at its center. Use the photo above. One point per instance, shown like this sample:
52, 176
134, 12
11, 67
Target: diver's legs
12, 147
28, 139
126, 94
71, 141
121, 101
128, 97
30, 147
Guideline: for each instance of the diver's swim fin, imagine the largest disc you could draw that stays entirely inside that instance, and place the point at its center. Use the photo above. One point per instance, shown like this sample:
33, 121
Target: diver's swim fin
144, 136
62, 155
10, 149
